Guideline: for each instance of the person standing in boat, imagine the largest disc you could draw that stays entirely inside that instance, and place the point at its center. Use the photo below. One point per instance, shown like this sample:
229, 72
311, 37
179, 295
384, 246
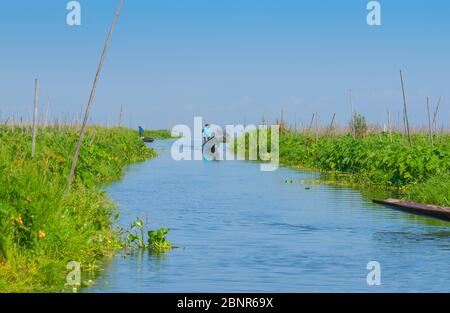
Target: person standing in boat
141, 132
207, 133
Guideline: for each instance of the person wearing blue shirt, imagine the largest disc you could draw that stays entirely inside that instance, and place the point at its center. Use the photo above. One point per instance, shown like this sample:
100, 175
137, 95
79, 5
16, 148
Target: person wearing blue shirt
207, 133
141, 132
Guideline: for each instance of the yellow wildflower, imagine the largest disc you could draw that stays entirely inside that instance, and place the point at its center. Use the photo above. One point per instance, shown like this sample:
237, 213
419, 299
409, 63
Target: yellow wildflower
41, 234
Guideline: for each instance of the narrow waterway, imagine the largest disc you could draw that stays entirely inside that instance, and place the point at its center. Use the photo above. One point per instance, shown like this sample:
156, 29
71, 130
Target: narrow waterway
242, 230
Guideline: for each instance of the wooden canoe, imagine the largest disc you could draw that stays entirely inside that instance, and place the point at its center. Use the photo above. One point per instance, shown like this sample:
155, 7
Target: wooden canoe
439, 212
148, 139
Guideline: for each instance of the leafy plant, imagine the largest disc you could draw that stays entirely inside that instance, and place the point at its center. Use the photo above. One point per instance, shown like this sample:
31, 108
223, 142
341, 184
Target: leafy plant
136, 234
156, 242
358, 124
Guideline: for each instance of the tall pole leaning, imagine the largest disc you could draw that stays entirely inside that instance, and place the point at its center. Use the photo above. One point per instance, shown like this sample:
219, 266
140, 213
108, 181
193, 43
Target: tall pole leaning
430, 125
435, 116
353, 114
91, 97
405, 109
35, 116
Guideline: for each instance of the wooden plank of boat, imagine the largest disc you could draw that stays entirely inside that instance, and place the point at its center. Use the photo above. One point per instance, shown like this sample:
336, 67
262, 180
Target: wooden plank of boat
148, 139
436, 211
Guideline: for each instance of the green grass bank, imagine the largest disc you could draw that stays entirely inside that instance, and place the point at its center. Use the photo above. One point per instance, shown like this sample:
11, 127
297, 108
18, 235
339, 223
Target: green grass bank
43, 228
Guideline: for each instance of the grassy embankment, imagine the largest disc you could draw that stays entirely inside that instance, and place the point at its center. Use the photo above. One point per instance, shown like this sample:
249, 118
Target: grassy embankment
157, 134
42, 228
420, 173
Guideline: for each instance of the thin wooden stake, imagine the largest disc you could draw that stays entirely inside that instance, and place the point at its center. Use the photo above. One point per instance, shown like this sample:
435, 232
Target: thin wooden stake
430, 125
311, 123
36, 101
295, 122
330, 130
405, 109
46, 113
91, 97
282, 123
353, 118
317, 128
435, 116
389, 124
120, 116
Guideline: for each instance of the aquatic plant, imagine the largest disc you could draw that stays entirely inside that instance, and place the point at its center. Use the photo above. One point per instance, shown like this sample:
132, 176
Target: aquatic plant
136, 234
156, 242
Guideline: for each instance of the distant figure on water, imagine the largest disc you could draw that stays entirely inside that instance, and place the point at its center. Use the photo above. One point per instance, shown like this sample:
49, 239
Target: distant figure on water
207, 134
141, 132
209, 146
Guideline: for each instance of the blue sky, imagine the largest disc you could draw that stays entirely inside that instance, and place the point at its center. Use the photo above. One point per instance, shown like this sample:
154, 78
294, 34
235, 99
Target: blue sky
226, 60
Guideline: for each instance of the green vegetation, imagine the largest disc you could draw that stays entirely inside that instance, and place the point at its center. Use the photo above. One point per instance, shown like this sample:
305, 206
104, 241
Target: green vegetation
156, 242
43, 227
157, 134
359, 125
379, 161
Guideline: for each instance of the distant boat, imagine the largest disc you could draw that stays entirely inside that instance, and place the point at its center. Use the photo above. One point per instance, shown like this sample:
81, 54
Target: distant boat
148, 139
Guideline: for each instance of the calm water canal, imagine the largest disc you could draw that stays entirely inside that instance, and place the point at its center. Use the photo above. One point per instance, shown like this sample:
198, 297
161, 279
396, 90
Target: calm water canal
243, 230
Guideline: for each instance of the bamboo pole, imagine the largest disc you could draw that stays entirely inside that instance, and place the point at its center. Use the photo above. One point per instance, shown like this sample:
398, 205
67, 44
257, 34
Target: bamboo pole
352, 118
36, 101
46, 113
389, 124
317, 128
330, 130
120, 115
405, 109
295, 122
435, 116
430, 125
311, 123
92, 95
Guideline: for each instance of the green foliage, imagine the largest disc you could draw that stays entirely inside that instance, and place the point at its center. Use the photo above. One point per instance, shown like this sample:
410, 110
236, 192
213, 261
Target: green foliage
156, 242
136, 234
435, 190
158, 134
359, 125
43, 228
